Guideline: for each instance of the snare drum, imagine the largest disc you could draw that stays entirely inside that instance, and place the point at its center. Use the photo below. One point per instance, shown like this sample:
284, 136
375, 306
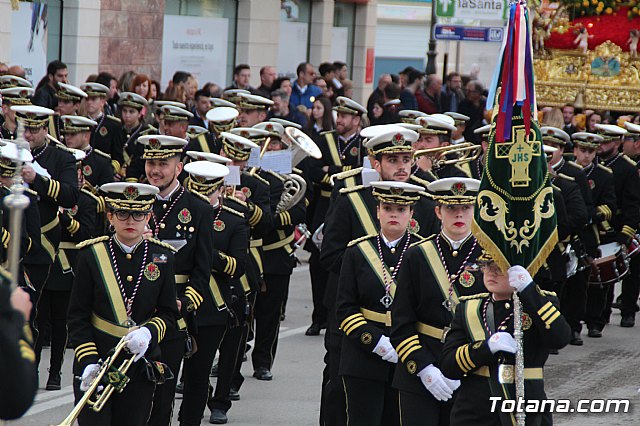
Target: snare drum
633, 247
611, 266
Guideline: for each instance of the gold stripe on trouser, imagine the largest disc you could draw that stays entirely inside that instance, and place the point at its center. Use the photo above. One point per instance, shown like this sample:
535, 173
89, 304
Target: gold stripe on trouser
244, 281
255, 253
64, 261
215, 293
429, 330
530, 373
377, 316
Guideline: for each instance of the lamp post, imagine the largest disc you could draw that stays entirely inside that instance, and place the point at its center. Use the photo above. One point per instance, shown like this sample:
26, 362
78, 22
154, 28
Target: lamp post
431, 54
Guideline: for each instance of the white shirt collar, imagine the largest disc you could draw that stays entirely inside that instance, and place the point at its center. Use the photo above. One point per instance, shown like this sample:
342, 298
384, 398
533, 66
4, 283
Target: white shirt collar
390, 244
455, 244
159, 197
558, 164
302, 89
125, 248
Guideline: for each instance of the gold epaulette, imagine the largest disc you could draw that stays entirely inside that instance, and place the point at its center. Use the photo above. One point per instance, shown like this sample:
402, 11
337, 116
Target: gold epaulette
277, 175
574, 164
347, 173
474, 296
563, 176
92, 241
420, 181
200, 196
556, 188
546, 292
426, 194
605, 168
352, 189
629, 160
91, 194
358, 240
297, 171
325, 132
232, 211
148, 131
114, 118
423, 240
63, 147
31, 191
237, 200
161, 244
104, 154
257, 176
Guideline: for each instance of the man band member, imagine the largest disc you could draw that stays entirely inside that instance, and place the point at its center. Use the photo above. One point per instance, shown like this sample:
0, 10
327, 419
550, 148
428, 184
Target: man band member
106, 136
365, 294
69, 98
477, 165
124, 287
53, 176
479, 349
223, 301
221, 119
435, 132
12, 96
131, 106
253, 109
435, 273
183, 220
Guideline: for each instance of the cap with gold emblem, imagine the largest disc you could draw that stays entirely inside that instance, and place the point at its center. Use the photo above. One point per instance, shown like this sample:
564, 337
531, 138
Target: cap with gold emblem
249, 101
9, 157
349, 106
129, 196
194, 131
219, 102
205, 177
7, 81
432, 125
391, 141
610, 132
587, 140
222, 115
252, 133
236, 146
208, 156
554, 135
174, 113
233, 95
454, 190
158, 147
17, 95
458, 118
274, 129
285, 123
410, 115
132, 100
77, 124
95, 90
395, 192
67, 92
32, 116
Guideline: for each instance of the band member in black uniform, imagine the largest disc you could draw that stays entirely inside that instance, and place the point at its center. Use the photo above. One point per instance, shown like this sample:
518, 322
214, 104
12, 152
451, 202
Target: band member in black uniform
12, 96
200, 139
183, 220
435, 132
69, 98
53, 177
175, 121
124, 287
77, 224
479, 349
221, 119
625, 222
96, 165
460, 121
477, 165
365, 293
434, 274
133, 126
576, 285
106, 136
223, 301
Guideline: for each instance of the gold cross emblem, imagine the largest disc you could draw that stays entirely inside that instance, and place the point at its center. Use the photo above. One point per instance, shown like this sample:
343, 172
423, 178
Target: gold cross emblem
519, 152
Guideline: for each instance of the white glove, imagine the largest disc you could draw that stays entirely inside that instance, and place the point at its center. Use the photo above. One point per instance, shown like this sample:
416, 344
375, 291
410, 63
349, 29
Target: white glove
519, 278
435, 382
502, 341
453, 384
385, 349
138, 342
88, 375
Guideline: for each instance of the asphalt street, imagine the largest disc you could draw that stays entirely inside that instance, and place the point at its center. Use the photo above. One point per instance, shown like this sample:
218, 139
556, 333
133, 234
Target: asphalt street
601, 369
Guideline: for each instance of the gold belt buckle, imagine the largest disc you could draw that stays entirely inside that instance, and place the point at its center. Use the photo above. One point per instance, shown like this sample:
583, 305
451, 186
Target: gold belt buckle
506, 374
445, 331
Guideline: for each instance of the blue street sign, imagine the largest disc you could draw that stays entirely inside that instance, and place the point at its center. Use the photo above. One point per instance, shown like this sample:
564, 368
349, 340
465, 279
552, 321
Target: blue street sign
463, 33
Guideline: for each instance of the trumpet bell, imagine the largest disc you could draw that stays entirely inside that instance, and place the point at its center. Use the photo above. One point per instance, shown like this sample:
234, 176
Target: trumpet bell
302, 146
462, 152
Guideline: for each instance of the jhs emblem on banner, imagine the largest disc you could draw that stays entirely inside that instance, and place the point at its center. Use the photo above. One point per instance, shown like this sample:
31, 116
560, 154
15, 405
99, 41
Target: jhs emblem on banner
152, 272
184, 216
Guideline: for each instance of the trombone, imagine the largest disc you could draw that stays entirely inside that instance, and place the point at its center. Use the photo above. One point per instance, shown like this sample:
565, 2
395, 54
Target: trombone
462, 153
116, 380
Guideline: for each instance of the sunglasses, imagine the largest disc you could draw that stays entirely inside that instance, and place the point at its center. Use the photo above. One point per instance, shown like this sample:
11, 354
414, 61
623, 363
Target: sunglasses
125, 214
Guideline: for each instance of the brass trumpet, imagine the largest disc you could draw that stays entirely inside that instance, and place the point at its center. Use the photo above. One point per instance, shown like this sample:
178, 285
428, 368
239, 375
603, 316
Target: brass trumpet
116, 378
462, 153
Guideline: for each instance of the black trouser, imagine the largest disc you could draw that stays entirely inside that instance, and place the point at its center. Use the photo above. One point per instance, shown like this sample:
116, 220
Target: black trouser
231, 351
131, 407
196, 374
38, 275
267, 314
237, 378
596, 304
631, 288
172, 347
52, 312
416, 409
333, 403
319, 277
573, 300
370, 402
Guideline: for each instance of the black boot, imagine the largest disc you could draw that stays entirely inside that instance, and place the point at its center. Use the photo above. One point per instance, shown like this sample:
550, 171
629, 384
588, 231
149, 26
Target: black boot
218, 417
54, 382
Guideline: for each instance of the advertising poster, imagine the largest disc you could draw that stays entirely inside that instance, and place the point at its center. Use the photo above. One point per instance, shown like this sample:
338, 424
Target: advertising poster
29, 39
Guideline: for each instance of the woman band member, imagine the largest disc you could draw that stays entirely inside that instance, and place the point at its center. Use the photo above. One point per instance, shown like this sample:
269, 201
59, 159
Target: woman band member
480, 347
124, 287
365, 294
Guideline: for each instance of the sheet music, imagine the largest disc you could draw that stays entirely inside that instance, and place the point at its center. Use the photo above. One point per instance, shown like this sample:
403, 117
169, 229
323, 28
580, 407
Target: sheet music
254, 158
233, 178
277, 161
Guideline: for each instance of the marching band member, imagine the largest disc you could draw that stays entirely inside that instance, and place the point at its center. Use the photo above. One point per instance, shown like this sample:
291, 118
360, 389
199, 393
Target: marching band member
435, 132
12, 96
365, 294
479, 349
124, 287
133, 126
434, 274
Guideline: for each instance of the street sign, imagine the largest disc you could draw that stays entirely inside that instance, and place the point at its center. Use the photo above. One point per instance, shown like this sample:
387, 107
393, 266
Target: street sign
472, 9
463, 33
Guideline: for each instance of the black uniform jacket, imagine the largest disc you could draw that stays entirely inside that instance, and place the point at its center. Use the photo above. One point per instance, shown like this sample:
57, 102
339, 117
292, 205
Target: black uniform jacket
60, 190
419, 317
108, 138
97, 310
466, 354
361, 315
96, 167
627, 187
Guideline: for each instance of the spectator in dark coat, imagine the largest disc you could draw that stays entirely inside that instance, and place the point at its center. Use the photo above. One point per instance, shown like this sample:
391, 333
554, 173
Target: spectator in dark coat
473, 107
